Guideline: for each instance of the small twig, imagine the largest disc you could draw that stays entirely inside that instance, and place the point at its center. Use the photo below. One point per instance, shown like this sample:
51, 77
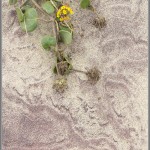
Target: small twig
55, 34
57, 70
79, 71
56, 47
54, 4
96, 13
68, 26
44, 20
24, 2
94, 10
57, 25
57, 29
37, 5
41, 19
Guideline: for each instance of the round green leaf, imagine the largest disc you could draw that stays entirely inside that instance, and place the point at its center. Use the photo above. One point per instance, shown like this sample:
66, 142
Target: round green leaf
84, 3
28, 25
31, 13
12, 2
64, 28
20, 15
66, 36
30, 20
23, 8
48, 7
48, 41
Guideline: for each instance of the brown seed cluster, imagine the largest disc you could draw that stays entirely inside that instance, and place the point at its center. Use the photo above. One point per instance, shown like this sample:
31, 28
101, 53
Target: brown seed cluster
99, 22
93, 75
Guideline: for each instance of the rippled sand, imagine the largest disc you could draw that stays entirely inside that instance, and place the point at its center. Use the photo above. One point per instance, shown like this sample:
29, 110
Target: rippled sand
111, 115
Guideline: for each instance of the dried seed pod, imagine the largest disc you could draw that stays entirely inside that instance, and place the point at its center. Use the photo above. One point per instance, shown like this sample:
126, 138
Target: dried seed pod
93, 75
60, 85
99, 22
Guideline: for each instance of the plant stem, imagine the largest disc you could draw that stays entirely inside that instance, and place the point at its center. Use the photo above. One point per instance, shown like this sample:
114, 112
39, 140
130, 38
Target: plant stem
68, 26
54, 5
57, 27
55, 35
94, 10
44, 20
24, 2
79, 71
56, 47
37, 5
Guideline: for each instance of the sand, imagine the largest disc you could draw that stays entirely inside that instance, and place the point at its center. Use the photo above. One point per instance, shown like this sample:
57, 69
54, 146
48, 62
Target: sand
110, 115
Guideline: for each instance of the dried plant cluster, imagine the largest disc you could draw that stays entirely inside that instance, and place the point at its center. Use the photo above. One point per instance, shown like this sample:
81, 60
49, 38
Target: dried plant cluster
59, 14
93, 75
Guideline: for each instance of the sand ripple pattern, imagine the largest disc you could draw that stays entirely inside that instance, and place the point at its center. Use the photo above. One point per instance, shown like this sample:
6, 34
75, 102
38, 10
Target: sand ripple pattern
111, 115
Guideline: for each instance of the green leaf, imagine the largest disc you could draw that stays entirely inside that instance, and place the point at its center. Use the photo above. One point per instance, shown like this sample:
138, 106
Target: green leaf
84, 3
28, 25
20, 15
48, 7
30, 20
23, 8
66, 36
48, 41
64, 28
31, 13
12, 2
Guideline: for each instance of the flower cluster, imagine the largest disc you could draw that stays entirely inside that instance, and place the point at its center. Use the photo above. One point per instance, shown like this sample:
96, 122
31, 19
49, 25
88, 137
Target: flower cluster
64, 12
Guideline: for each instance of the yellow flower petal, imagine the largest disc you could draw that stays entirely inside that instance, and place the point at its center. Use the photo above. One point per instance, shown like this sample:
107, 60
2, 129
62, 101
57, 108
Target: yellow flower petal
64, 12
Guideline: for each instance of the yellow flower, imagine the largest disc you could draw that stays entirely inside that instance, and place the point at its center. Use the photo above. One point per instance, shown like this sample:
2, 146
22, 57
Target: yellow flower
64, 12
